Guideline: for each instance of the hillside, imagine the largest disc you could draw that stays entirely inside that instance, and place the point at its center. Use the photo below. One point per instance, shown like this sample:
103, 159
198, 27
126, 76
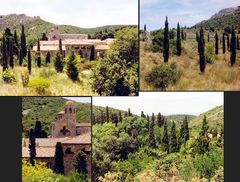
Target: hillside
215, 118
178, 118
36, 26
224, 18
45, 110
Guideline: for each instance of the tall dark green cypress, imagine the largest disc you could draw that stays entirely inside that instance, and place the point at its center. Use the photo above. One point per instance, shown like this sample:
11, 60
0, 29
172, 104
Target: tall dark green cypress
165, 141
11, 61
4, 54
58, 159
142, 115
92, 54
178, 46
148, 120
32, 147
173, 141
71, 67
107, 113
182, 33
58, 63
216, 43
152, 142
228, 41
20, 57
238, 46
223, 44
166, 42
38, 129
181, 136
201, 44
81, 163
197, 36
60, 46
15, 44
208, 38
23, 43
159, 119
233, 47
29, 62
129, 112
48, 58
120, 116
38, 55
204, 129
185, 130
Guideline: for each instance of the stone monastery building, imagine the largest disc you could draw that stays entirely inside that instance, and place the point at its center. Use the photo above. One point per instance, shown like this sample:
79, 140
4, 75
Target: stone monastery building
80, 42
75, 137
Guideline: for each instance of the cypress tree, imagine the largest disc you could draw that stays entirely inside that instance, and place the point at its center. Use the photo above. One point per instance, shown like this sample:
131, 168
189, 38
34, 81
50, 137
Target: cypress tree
201, 51
58, 63
238, 48
93, 119
181, 136
102, 118
92, 55
129, 112
11, 61
44, 37
32, 147
233, 47
185, 130
144, 33
38, 55
58, 160
20, 57
23, 43
197, 36
60, 46
48, 58
148, 120
142, 115
72, 70
152, 142
38, 129
120, 116
173, 141
29, 62
216, 43
107, 113
4, 54
81, 163
203, 141
223, 44
178, 46
166, 42
182, 33
208, 38
15, 45
204, 128
228, 41
165, 142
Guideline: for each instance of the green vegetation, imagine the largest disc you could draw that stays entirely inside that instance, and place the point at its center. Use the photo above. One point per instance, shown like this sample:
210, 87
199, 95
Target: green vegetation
44, 109
139, 150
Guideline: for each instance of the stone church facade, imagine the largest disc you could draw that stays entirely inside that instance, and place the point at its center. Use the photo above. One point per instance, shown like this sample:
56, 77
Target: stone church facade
74, 137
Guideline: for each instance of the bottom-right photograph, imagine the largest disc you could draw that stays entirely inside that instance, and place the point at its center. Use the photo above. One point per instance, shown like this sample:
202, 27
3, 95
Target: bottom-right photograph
158, 136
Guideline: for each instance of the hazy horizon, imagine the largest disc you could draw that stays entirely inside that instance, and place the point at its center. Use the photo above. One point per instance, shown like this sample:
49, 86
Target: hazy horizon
187, 12
167, 103
84, 14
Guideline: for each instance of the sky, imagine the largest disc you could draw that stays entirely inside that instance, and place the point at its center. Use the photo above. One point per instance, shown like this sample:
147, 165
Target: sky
186, 12
79, 99
166, 103
82, 13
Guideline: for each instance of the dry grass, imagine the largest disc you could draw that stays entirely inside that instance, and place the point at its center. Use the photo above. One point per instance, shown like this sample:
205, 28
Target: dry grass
60, 84
218, 76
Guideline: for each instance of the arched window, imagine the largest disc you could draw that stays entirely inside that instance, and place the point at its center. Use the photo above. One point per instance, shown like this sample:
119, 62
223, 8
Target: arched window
70, 110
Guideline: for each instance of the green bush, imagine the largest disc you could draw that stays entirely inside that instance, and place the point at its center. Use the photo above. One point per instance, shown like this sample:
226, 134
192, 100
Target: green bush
47, 73
25, 78
209, 53
163, 75
40, 84
8, 76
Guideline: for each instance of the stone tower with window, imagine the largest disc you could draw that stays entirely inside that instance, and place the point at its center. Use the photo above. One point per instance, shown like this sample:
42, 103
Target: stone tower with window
66, 122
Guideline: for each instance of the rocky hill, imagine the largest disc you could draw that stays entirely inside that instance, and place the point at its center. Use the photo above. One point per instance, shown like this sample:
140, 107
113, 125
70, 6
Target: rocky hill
224, 18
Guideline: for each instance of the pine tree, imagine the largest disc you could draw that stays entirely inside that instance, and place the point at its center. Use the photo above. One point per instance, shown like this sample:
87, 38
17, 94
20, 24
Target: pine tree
60, 46
152, 142
32, 147
166, 42
38, 55
48, 58
178, 46
107, 113
81, 163
58, 160
223, 44
29, 62
11, 61
238, 46
4, 54
165, 142
120, 116
92, 55
23, 43
38, 129
233, 47
201, 44
58, 63
72, 70
15, 44
173, 141
216, 43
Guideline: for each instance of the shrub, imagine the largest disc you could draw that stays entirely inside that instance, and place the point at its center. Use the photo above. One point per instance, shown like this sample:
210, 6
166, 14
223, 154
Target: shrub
47, 73
163, 75
40, 84
8, 76
209, 53
25, 78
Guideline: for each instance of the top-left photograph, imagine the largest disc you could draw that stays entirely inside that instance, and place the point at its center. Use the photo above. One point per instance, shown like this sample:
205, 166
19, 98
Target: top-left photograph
69, 48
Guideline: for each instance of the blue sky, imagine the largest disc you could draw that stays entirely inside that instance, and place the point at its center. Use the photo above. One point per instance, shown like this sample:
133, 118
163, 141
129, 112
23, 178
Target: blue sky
165, 102
83, 13
186, 12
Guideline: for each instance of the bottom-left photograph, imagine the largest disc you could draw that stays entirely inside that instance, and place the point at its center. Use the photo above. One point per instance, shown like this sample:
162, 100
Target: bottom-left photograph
56, 139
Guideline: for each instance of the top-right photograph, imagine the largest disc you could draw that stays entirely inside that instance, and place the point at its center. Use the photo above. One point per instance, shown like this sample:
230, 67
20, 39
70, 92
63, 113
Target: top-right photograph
189, 45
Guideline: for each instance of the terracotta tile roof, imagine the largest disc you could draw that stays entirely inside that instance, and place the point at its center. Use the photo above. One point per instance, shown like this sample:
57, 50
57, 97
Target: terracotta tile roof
48, 48
80, 139
102, 47
83, 124
40, 152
